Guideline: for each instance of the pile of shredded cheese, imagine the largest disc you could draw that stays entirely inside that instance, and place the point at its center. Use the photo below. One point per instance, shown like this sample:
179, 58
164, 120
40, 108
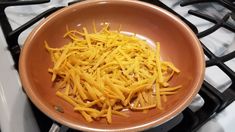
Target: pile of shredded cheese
105, 72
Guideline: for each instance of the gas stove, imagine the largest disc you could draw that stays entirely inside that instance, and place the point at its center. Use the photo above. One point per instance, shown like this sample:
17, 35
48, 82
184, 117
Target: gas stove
213, 21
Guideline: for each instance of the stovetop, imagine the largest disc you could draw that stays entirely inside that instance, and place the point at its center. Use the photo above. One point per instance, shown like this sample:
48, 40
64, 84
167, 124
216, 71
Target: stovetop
211, 20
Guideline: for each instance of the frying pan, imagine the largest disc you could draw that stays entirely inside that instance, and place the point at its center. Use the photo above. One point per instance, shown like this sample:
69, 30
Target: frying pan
178, 45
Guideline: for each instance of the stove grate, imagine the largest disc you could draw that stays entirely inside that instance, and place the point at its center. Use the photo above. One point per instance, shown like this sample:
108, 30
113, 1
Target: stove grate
230, 4
215, 101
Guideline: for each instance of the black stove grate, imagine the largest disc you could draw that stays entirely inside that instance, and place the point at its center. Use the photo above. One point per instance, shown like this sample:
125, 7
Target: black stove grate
215, 101
213, 20
218, 24
230, 4
228, 95
6, 3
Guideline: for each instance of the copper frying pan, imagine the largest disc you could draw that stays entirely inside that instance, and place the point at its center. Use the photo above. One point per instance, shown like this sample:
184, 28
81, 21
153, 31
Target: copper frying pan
178, 45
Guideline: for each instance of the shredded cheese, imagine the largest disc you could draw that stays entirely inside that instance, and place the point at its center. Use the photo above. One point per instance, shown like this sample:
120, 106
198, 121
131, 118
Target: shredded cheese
104, 72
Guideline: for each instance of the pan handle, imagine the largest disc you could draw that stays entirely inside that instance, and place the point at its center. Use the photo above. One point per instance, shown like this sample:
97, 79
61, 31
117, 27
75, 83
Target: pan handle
57, 128
54, 127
